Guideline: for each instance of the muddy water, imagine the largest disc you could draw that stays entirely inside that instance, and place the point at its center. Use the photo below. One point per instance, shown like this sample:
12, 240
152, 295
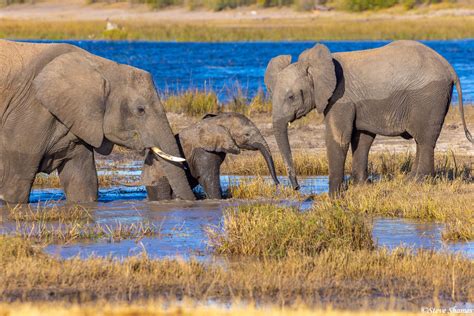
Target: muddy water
182, 224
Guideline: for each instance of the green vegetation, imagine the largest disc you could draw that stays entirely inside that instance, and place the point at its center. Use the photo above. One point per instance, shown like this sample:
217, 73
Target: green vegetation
350, 275
423, 28
268, 230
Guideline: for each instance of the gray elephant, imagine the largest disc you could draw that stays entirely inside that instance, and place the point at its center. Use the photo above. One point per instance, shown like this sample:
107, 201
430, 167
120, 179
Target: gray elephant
401, 89
59, 104
205, 145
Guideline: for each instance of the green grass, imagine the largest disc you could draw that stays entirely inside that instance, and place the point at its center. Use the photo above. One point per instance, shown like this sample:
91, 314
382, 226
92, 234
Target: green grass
268, 230
423, 28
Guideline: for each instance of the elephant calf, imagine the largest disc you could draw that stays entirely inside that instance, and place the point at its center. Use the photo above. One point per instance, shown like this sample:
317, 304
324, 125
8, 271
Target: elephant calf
205, 145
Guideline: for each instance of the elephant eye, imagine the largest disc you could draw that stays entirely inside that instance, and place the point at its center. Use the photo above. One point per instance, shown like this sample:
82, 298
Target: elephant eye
291, 97
140, 110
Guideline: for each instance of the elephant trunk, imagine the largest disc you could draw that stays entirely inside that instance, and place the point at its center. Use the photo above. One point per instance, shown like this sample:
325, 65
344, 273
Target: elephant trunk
280, 129
174, 171
265, 151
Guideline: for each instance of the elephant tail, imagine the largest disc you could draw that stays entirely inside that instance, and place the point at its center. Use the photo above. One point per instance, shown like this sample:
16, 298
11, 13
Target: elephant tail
461, 109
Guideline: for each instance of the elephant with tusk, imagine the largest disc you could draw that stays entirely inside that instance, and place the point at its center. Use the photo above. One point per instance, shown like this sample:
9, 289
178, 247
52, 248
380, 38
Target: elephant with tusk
59, 104
205, 145
401, 89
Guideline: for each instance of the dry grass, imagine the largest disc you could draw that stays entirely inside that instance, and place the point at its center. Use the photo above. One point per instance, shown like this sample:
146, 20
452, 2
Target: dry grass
343, 28
254, 188
268, 230
339, 277
50, 212
309, 164
44, 232
441, 200
187, 308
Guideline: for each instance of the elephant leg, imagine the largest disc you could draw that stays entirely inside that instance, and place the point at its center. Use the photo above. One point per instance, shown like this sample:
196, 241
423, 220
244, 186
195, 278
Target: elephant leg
425, 166
206, 168
360, 144
414, 168
17, 174
212, 185
78, 175
339, 128
161, 191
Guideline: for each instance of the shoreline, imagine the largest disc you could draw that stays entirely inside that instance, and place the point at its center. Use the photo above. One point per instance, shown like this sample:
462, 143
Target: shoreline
55, 20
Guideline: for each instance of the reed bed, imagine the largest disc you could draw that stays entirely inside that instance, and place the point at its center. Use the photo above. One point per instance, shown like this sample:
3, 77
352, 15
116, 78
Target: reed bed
343, 28
268, 230
48, 212
337, 277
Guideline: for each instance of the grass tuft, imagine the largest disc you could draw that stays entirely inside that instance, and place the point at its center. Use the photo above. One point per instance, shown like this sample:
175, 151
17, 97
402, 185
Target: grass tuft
254, 188
267, 230
68, 232
22, 212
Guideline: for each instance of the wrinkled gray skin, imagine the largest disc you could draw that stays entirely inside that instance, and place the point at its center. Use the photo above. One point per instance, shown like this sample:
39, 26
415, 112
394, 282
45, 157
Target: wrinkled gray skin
205, 145
59, 104
401, 89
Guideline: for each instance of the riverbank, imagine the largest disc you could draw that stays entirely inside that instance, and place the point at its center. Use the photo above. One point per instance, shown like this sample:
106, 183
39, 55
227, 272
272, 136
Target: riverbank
76, 21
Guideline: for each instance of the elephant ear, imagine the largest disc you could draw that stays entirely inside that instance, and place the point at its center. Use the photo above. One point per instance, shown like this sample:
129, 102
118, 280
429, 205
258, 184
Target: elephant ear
321, 70
73, 90
216, 138
274, 67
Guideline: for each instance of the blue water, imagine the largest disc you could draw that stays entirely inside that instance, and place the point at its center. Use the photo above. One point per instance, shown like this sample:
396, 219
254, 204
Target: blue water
224, 67
183, 223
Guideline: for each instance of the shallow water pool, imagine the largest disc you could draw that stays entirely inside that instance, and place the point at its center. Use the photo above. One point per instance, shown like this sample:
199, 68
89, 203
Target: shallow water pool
182, 224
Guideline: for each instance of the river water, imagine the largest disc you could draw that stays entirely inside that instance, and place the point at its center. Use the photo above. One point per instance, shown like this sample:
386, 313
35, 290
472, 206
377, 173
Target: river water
226, 67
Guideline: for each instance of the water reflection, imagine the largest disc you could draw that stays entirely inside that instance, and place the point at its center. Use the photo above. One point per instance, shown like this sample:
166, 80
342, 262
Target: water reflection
183, 224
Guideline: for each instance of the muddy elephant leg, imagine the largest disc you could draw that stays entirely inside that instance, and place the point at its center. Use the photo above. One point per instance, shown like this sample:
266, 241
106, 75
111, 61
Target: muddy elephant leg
207, 169
161, 191
425, 166
339, 128
78, 175
360, 144
17, 176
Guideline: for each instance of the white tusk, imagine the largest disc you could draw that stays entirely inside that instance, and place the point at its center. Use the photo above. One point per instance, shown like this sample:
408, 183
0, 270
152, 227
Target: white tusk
164, 155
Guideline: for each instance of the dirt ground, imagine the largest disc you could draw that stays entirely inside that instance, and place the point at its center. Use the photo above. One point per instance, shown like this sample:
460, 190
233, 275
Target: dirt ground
79, 10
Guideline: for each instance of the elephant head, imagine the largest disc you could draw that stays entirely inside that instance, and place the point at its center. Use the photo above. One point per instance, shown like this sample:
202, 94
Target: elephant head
231, 132
205, 145
105, 103
297, 89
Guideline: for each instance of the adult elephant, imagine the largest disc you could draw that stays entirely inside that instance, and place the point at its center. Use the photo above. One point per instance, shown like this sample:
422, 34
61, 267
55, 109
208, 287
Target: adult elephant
205, 145
59, 104
401, 89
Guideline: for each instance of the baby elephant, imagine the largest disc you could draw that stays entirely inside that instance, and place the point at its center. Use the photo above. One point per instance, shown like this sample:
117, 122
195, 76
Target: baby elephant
205, 145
